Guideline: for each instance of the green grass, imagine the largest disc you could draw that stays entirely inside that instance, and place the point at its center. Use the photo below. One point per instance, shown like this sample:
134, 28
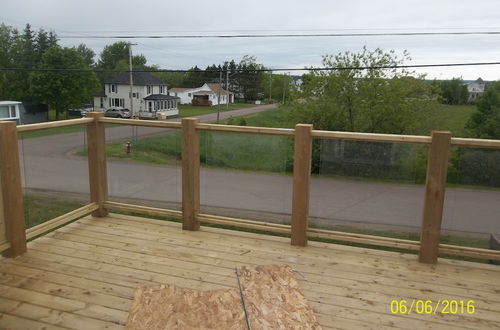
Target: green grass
246, 152
187, 110
40, 208
278, 117
448, 118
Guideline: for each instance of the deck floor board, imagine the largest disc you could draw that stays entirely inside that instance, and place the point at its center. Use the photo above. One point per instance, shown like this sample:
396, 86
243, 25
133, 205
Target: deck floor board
86, 273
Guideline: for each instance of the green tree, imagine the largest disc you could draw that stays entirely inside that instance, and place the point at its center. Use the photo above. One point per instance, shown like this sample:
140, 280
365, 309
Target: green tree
87, 54
114, 57
454, 91
275, 86
63, 89
485, 122
358, 95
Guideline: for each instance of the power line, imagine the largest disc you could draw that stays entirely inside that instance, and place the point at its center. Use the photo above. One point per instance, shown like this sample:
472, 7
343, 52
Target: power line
278, 35
261, 69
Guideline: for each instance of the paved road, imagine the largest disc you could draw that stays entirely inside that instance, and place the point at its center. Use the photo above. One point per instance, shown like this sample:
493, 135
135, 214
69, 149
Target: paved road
236, 192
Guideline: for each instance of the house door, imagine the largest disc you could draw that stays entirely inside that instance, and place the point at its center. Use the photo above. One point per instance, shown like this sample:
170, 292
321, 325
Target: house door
150, 106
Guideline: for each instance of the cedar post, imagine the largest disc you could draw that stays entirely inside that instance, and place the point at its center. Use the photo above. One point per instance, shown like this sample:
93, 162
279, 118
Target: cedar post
98, 176
12, 191
190, 174
437, 169
301, 179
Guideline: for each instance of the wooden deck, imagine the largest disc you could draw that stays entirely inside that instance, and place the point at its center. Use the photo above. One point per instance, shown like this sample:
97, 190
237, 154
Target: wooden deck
83, 276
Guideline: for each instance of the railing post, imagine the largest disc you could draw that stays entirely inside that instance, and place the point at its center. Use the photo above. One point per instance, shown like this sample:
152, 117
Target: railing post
98, 176
437, 169
12, 193
190, 174
301, 179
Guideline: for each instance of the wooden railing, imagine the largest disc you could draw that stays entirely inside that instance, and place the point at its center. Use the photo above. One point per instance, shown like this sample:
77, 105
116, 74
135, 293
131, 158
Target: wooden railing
13, 234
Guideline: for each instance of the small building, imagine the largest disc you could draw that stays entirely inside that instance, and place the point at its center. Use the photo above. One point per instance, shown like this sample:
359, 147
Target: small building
148, 99
23, 112
207, 95
476, 89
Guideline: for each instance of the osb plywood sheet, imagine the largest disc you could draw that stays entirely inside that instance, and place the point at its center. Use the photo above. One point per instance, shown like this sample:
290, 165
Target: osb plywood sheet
168, 307
273, 299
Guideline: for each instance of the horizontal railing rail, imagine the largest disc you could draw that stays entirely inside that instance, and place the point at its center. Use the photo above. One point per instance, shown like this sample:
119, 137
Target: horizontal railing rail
429, 246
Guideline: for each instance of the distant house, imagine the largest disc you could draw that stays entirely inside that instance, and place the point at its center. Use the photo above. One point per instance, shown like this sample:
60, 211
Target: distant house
23, 112
208, 95
476, 89
149, 95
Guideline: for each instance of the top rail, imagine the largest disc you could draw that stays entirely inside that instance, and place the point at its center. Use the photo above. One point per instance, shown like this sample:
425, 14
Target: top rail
354, 136
374, 137
475, 143
146, 123
53, 124
246, 129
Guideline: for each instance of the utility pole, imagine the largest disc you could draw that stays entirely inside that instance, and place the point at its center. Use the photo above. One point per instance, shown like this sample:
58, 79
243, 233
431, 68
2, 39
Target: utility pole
284, 85
218, 98
227, 87
270, 85
131, 77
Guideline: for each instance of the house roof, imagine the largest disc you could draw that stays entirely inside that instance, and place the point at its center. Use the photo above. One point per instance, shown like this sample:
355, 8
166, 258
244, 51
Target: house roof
154, 97
178, 89
9, 102
216, 87
203, 92
100, 94
139, 78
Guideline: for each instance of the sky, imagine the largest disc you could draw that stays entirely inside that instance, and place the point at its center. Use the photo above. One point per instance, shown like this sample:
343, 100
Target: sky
166, 17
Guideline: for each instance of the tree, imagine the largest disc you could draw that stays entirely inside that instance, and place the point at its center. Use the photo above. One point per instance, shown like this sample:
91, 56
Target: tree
360, 95
87, 54
63, 89
454, 91
485, 122
350, 98
275, 86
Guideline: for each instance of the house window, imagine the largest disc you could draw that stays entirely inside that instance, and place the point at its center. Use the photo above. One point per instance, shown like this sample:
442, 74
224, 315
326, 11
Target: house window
8, 112
116, 102
150, 89
162, 89
101, 102
112, 88
189, 94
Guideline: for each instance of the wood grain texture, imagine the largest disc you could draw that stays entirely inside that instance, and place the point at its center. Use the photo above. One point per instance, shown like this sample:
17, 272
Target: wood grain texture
12, 194
167, 307
98, 175
54, 124
190, 174
435, 186
274, 300
140, 122
301, 183
90, 269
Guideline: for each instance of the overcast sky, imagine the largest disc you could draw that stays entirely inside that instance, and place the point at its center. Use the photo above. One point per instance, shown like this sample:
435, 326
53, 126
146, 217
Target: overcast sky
112, 17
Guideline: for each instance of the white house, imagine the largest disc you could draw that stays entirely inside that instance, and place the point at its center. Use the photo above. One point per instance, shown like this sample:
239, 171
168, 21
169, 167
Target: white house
208, 94
476, 89
149, 95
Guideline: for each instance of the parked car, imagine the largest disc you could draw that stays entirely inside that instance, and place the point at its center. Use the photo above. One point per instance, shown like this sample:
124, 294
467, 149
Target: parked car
117, 113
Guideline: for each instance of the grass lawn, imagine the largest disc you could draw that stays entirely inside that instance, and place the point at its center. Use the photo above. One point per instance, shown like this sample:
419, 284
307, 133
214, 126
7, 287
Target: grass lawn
451, 118
187, 110
40, 208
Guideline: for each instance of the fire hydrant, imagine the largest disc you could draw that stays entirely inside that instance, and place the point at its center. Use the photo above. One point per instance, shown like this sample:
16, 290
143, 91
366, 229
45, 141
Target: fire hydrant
128, 147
